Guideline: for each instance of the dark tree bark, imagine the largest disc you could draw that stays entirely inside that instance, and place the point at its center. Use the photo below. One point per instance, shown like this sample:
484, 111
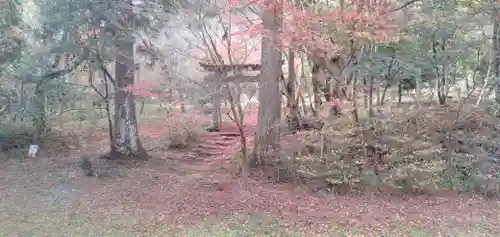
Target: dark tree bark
400, 92
496, 53
267, 136
370, 98
126, 142
354, 96
292, 101
440, 75
317, 77
216, 104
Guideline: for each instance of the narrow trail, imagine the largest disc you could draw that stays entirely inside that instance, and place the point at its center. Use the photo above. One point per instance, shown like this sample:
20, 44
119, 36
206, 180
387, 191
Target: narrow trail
216, 148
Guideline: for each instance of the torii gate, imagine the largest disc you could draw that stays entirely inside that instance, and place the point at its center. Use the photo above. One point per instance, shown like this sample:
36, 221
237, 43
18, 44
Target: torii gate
219, 75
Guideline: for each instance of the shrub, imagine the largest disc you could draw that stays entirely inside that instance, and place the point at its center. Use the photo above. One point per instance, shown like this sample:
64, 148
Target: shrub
410, 153
15, 134
182, 130
85, 165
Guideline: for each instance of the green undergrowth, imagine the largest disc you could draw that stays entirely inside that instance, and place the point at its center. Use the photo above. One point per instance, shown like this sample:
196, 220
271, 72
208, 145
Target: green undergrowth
406, 151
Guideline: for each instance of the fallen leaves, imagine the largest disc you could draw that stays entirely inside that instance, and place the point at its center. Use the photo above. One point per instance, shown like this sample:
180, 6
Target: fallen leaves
172, 197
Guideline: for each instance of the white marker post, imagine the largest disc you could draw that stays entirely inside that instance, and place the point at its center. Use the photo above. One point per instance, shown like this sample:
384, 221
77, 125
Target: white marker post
33, 150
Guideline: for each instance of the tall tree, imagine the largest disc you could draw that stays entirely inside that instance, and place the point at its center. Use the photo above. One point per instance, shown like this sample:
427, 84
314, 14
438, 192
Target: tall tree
316, 32
126, 140
496, 51
267, 135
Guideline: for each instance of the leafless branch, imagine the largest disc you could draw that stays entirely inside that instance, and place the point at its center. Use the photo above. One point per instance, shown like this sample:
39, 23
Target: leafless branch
91, 83
4, 108
405, 5
104, 69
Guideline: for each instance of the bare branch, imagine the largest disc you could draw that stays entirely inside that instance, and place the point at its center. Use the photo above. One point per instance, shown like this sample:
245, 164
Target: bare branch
104, 69
211, 67
405, 5
4, 108
91, 83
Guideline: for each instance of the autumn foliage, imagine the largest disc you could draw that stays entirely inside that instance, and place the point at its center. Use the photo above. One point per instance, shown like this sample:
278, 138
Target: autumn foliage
318, 28
141, 88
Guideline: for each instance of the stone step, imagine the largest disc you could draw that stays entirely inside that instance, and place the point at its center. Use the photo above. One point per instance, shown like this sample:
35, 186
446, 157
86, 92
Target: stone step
228, 134
209, 146
204, 153
222, 143
226, 139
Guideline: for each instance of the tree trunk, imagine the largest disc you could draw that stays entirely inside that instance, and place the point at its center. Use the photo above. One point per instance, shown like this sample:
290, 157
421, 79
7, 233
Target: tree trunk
370, 98
467, 87
182, 100
216, 103
317, 76
292, 113
304, 104
126, 142
245, 166
310, 97
267, 136
21, 104
326, 90
365, 92
439, 91
440, 74
400, 92
108, 113
236, 95
143, 102
237, 115
384, 93
334, 96
496, 54
485, 85
377, 91
183, 107
474, 73
418, 89
446, 83
442, 91
40, 119
354, 82
388, 78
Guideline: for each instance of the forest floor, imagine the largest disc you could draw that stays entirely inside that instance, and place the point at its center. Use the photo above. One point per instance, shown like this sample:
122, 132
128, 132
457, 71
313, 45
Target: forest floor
194, 193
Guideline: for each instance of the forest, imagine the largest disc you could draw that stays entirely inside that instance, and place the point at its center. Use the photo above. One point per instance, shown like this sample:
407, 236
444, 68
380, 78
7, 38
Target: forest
249, 118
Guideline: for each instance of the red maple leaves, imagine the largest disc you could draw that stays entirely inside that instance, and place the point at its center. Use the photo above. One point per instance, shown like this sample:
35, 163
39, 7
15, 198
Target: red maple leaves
141, 88
325, 30
334, 103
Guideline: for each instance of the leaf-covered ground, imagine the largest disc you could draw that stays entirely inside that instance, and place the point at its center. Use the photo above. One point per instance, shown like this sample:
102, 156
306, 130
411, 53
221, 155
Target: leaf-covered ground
194, 193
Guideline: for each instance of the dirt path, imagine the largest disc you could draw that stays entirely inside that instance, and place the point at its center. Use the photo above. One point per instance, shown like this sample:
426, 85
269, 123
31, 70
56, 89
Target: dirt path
173, 191
217, 148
